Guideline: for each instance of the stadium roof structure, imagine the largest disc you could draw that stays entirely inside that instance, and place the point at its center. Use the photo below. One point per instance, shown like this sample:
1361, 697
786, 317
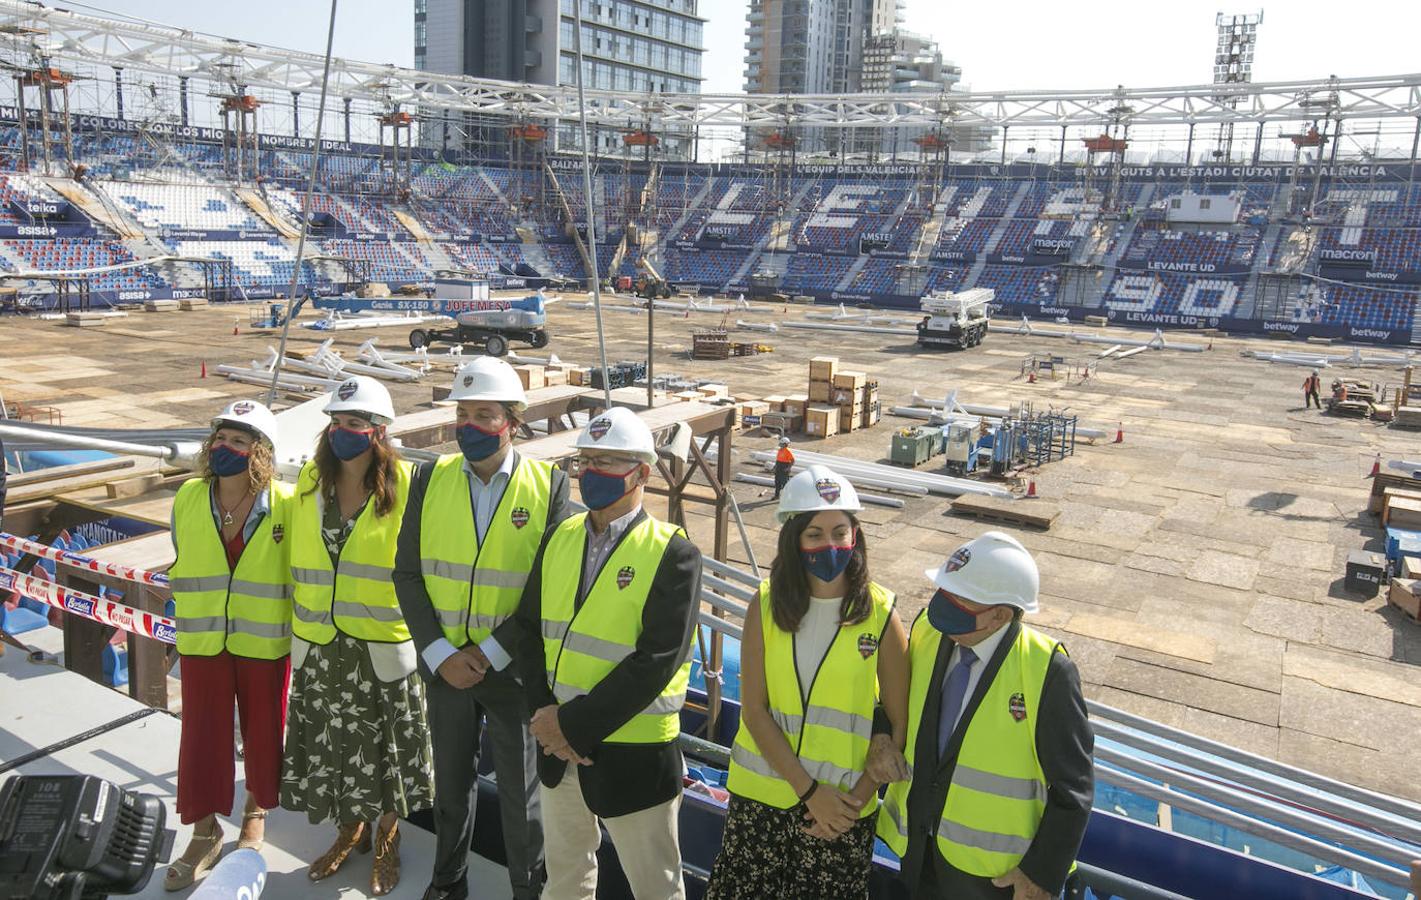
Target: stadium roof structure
74, 37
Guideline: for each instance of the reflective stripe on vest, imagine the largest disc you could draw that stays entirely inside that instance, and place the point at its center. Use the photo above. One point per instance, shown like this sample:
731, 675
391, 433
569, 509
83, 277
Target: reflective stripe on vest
246, 611
998, 791
581, 647
357, 595
831, 734
476, 587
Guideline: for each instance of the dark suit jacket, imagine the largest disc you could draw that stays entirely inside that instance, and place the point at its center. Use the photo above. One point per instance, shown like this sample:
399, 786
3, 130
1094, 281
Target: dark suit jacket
408, 577
623, 778
1064, 743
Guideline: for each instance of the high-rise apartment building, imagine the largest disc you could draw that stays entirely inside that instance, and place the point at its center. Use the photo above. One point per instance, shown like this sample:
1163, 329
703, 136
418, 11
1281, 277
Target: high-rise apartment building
633, 46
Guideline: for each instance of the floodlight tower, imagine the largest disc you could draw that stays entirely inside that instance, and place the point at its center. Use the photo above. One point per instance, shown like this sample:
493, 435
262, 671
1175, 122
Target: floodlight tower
1233, 64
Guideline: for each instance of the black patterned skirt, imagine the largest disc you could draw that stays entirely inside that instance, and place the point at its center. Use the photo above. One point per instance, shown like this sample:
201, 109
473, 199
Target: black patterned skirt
766, 853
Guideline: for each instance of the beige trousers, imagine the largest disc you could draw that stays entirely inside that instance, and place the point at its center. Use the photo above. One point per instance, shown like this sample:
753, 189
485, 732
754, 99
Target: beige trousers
646, 843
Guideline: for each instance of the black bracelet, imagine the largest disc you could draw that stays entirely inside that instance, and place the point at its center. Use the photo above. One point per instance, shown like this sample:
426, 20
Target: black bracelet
804, 798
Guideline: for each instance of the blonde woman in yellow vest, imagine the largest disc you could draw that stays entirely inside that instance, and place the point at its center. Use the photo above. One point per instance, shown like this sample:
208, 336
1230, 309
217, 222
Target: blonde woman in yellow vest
998, 739
472, 529
357, 745
232, 594
823, 651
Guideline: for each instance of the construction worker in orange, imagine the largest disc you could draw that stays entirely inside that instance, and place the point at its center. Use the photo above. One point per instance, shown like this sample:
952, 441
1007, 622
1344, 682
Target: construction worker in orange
784, 462
1311, 384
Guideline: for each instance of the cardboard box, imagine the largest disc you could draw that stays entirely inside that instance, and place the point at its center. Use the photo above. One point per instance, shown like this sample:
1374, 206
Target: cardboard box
688, 396
754, 408
870, 393
821, 392
850, 381
1404, 595
777, 402
821, 421
795, 404
1394, 493
1410, 567
1403, 512
849, 419
821, 368
872, 413
531, 375
713, 391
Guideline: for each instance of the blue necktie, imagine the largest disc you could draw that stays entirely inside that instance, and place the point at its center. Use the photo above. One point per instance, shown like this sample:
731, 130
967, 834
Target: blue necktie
954, 692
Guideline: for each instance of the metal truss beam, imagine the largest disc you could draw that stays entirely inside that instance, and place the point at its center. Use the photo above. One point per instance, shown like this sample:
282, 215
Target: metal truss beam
73, 38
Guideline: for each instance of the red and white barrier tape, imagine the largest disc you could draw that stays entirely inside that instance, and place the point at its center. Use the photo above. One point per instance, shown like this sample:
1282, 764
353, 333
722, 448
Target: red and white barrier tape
127, 573
119, 615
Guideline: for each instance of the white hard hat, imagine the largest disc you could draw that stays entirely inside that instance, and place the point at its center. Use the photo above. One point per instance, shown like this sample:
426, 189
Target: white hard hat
363, 396
992, 569
784, 440
619, 430
488, 378
816, 488
248, 414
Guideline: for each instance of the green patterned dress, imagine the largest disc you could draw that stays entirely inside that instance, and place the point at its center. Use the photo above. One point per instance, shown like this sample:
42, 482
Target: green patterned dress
356, 746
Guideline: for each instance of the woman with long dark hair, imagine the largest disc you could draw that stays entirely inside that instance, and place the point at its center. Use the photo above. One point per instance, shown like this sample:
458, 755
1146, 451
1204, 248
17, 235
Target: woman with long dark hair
231, 585
357, 748
823, 652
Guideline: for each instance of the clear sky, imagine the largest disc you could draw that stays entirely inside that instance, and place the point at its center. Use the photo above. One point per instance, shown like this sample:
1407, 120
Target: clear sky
1000, 46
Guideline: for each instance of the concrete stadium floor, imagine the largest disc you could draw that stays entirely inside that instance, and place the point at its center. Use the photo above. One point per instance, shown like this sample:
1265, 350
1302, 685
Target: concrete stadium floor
1194, 573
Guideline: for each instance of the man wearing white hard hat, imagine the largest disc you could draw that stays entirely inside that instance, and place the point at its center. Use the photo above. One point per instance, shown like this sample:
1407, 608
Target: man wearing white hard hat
472, 527
603, 636
998, 738
231, 583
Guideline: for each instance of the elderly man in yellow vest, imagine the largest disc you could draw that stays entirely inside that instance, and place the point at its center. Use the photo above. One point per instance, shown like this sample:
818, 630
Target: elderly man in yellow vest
998, 739
472, 527
604, 637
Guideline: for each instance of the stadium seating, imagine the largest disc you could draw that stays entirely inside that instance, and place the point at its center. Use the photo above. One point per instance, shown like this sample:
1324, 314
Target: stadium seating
85, 253
255, 264
168, 206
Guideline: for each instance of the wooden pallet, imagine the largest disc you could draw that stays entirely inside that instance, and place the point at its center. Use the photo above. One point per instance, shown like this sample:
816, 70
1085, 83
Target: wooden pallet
1028, 513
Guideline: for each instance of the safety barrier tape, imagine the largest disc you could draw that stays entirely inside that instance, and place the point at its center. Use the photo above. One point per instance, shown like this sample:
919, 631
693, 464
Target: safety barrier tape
69, 558
109, 612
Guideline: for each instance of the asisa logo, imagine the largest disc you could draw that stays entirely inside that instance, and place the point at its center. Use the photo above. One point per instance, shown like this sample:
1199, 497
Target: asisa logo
625, 576
519, 517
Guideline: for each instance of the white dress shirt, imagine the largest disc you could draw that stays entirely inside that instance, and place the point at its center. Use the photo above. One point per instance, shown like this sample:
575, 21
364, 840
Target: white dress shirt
984, 651
484, 497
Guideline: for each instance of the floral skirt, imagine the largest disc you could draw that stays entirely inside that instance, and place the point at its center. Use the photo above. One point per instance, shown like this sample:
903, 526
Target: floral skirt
765, 853
356, 747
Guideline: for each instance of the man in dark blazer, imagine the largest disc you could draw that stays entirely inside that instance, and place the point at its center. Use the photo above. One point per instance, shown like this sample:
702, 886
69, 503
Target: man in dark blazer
608, 723
1002, 725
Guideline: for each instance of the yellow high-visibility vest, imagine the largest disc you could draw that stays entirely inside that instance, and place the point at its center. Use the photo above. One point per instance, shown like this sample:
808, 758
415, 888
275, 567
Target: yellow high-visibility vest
831, 733
247, 610
998, 791
356, 596
475, 586
580, 647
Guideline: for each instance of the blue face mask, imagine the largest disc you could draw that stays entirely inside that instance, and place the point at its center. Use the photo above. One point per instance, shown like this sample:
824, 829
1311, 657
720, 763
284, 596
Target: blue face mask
950, 617
477, 444
828, 562
601, 489
347, 444
224, 461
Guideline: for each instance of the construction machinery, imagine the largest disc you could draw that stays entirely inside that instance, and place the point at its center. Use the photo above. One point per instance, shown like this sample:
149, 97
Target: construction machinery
478, 318
955, 319
649, 285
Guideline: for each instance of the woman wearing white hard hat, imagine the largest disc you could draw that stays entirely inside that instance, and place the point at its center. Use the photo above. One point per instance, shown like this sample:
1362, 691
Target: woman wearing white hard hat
998, 738
823, 654
231, 586
357, 746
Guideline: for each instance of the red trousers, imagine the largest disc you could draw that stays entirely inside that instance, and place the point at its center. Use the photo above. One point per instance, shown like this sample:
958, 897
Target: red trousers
207, 754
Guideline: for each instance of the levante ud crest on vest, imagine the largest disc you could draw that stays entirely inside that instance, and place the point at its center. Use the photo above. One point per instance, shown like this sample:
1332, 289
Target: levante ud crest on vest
625, 576
277, 533
1017, 706
868, 645
519, 517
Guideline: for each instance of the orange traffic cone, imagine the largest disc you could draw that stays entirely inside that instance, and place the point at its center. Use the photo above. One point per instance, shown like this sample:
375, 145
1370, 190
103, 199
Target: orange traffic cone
204, 369
1376, 467
1119, 432
1031, 490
